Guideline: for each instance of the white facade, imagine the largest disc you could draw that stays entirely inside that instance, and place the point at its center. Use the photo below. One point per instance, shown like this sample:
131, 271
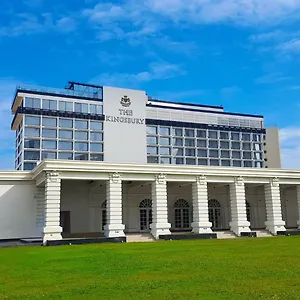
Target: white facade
70, 199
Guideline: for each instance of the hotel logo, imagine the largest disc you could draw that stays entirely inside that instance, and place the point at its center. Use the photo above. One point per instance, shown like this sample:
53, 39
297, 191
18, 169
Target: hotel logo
125, 101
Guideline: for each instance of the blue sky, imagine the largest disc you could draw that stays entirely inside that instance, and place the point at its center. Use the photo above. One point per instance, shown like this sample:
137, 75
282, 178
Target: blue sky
243, 54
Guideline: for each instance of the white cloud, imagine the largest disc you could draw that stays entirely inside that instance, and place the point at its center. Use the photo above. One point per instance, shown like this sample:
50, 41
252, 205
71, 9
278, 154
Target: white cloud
292, 46
272, 78
290, 147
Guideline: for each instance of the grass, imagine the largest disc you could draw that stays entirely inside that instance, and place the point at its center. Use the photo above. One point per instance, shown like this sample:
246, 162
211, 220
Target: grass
264, 268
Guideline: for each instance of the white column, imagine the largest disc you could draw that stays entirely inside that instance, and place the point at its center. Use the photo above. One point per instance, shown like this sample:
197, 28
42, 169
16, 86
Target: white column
160, 225
274, 221
239, 221
114, 227
52, 230
201, 222
298, 201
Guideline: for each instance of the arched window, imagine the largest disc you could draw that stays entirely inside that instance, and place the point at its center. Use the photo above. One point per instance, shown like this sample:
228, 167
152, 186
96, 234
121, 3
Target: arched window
182, 214
104, 214
145, 214
214, 212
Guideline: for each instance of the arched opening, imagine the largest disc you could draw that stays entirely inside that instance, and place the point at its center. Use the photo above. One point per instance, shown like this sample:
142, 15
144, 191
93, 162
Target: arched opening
145, 215
104, 214
214, 212
248, 212
182, 214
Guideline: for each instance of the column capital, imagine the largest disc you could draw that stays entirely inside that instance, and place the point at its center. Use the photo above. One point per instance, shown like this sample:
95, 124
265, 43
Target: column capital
202, 179
161, 178
53, 175
274, 182
115, 177
239, 181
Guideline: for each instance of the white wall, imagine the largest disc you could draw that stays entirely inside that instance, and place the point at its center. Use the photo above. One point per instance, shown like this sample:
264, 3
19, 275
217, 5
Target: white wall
272, 148
18, 210
124, 142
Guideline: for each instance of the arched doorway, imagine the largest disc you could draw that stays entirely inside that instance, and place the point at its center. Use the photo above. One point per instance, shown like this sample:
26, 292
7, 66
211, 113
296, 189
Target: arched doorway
182, 214
145, 215
104, 214
248, 212
214, 212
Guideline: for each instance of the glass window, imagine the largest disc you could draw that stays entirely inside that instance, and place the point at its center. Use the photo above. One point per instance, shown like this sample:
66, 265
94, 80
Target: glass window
225, 163
177, 142
65, 155
96, 157
248, 164
65, 145
96, 125
246, 146
256, 137
66, 106
257, 147
237, 163
224, 145
96, 109
80, 124
202, 153
152, 150
81, 156
258, 155
48, 155
165, 160
66, 134
235, 145
164, 130
213, 153
225, 154
30, 120
213, 134
177, 131
29, 166
51, 122
189, 142
164, 141
151, 140
152, 160
177, 151
33, 102
81, 107
247, 155
202, 162
189, 132
152, 130
31, 155
96, 136
79, 146
178, 161
190, 161
165, 151
235, 136
32, 132
49, 144
33, 144
49, 104
49, 133
213, 144
190, 152
96, 147
65, 123
224, 135
202, 143
201, 133
214, 162
258, 164
81, 135
246, 137
236, 154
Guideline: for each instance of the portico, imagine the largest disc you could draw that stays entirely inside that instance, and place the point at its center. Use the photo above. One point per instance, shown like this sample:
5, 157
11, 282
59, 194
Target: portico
161, 200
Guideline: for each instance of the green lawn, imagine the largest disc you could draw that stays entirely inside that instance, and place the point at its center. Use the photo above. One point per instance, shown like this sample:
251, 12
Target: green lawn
259, 268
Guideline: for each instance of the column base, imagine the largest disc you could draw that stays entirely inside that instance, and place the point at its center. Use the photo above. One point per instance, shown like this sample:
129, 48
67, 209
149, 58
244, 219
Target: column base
52, 233
201, 227
275, 226
158, 229
238, 227
114, 230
